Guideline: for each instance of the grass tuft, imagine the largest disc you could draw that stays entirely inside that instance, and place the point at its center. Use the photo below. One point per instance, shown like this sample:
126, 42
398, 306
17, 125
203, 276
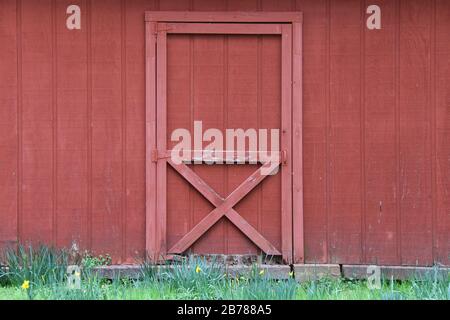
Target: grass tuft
192, 278
40, 266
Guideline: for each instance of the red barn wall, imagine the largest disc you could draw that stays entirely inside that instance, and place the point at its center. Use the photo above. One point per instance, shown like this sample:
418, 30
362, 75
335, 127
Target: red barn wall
376, 126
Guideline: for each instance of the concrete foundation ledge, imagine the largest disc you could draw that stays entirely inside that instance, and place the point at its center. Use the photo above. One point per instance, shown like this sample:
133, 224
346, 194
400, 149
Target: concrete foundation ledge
310, 272
281, 272
395, 272
119, 271
302, 272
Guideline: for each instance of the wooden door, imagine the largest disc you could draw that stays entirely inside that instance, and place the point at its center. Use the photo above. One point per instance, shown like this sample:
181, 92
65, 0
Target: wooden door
223, 76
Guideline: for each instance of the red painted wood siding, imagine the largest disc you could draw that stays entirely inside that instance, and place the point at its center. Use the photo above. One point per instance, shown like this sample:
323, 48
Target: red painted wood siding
376, 126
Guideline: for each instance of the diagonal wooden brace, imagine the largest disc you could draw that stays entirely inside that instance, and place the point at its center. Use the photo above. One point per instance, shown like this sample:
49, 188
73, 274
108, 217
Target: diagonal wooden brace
224, 207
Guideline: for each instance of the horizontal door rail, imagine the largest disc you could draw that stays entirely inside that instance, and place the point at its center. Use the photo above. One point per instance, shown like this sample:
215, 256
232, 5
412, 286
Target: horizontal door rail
220, 28
222, 156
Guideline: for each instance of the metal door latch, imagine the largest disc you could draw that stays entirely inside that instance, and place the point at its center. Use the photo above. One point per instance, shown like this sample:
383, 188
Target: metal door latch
284, 157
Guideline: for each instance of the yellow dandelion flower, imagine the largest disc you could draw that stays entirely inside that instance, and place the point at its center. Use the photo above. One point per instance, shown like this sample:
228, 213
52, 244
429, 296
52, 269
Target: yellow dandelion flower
261, 273
26, 285
198, 269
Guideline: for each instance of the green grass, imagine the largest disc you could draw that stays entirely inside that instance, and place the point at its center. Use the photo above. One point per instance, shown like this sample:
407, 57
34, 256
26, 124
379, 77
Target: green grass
191, 279
230, 290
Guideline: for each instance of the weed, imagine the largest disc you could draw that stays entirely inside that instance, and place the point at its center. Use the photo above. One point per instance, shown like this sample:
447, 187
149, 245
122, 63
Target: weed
90, 261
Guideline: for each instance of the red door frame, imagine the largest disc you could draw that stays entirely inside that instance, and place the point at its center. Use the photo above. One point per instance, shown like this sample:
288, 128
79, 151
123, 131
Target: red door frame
158, 24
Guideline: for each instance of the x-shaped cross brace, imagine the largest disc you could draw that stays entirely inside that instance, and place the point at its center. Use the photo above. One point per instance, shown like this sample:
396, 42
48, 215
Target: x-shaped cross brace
224, 207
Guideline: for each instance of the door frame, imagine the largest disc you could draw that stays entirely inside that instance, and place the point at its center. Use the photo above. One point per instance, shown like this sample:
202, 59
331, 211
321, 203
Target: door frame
291, 23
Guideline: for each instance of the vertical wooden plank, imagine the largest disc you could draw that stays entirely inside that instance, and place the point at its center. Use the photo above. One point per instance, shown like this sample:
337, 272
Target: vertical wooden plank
209, 5
345, 140
19, 26
151, 134
161, 140
208, 89
328, 131
286, 142
225, 101
180, 5
414, 130
88, 17
72, 126
107, 135
180, 54
315, 103
269, 75
432, 120
397, 133
379, 134
254, 210
54, 124
297, 144
242, 5
442, 132
123, 89
362, 97
278, 5
140, 137
269, 115
124, 128
243, 56
9, 143
37, 122
259, 221
207, 60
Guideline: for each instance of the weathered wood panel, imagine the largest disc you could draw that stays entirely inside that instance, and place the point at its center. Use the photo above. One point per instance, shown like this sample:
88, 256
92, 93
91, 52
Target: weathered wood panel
315, 128
345, 143
376, 125
107, 127
379, 132
37, 122
71, 58
9, 122
441, 155
414, 130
